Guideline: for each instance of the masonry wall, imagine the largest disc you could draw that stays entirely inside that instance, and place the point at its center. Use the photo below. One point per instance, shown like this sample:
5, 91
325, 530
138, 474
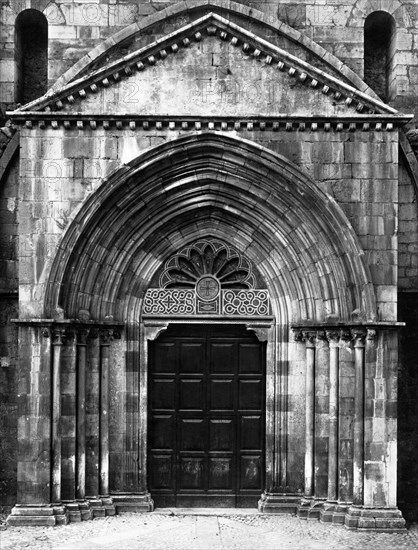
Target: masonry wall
73, 166
8, 335
408, 379
77, 27
60, 168
69, 166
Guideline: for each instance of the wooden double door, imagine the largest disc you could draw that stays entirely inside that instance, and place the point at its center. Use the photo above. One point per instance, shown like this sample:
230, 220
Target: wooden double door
206, 417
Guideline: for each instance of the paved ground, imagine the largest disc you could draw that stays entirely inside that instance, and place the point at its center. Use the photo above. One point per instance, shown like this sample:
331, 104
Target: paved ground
201, 530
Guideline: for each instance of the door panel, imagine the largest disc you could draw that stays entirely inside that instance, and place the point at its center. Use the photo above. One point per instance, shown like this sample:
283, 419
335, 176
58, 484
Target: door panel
193, 435
206, 417
221, 474
161, 472
192, 357
164, 394
191, 473
249, 395
165, 358
221, 395
163, 434
221, 435
221, 357
191, 394
251, 433
249, 359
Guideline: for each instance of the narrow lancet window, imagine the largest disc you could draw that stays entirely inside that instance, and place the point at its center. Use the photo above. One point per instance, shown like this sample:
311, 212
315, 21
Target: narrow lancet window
379, 54
31, 56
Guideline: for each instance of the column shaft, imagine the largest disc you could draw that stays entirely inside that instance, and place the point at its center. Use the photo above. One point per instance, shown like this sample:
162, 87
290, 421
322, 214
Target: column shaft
104, 413
333, 417
310, 419
56, 416
358, 458
81, 415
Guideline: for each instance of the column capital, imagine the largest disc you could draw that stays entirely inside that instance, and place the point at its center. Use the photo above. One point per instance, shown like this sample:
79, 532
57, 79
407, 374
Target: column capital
82, 335
333, 337
58, 335
106, 336
359, 337
309, 337
371, 334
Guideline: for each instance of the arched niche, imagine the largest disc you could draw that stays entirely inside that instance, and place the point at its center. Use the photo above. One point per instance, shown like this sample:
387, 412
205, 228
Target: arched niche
31, 56
379, 54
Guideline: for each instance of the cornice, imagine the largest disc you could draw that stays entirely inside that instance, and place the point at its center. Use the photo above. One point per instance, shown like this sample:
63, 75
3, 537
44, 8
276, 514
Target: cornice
211, 25
329, 326
284, 122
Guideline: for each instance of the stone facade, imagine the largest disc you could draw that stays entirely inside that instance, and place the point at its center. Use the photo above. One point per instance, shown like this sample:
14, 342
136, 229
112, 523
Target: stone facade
246, 123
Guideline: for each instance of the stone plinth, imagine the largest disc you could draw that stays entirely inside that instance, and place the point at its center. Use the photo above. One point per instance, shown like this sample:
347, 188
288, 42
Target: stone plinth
376, 519
40, 515
276, 503
133, 503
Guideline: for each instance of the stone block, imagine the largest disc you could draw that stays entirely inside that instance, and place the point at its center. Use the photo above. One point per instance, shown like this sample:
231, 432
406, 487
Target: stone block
31, 521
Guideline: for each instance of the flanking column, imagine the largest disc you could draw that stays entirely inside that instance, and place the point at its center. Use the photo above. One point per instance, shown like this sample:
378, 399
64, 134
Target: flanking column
57, 342
38, 373
307, 502
359, 339
374, 506
333, 338
330, 506
42, 381
361, 427
105, 338
103, 505
278, 497
81, 414
310, 414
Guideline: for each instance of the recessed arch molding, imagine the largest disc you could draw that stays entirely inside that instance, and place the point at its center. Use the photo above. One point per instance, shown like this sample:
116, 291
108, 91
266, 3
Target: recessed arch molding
205, 185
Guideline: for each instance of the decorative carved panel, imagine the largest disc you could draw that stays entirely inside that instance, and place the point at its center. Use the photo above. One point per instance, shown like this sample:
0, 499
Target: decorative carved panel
207, 277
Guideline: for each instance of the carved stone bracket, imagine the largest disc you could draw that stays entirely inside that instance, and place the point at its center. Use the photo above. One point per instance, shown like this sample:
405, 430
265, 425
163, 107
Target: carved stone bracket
152, 331
261, 331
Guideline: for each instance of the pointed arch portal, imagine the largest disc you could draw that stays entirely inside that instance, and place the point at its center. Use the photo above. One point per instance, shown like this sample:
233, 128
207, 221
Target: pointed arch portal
210, 198
216, 225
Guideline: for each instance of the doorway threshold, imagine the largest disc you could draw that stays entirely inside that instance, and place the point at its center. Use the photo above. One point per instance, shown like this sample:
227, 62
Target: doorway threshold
207, 511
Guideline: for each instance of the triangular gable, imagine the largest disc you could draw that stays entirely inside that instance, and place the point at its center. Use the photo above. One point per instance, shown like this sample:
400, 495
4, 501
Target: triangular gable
285, 70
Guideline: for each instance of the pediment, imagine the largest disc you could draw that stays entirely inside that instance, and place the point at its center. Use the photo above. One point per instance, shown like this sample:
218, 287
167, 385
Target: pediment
211, 67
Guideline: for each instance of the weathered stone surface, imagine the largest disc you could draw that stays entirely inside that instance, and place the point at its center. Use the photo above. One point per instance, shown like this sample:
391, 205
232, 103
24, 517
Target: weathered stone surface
94, 221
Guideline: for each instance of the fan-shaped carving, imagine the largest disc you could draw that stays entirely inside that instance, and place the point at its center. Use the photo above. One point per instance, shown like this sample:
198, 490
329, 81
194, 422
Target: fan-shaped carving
204, 258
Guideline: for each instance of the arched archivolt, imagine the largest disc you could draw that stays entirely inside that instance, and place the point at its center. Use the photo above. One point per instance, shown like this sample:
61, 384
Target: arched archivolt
211, 185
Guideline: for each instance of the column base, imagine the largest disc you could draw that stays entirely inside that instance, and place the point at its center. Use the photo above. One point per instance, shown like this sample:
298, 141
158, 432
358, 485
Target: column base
101, 507
375, 519
333, 512
309, 508
79, 511
278, 503
133, 503
43, 515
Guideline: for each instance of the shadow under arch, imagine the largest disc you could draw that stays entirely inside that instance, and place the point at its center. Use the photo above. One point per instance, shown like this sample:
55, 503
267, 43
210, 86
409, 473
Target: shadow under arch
229, 188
